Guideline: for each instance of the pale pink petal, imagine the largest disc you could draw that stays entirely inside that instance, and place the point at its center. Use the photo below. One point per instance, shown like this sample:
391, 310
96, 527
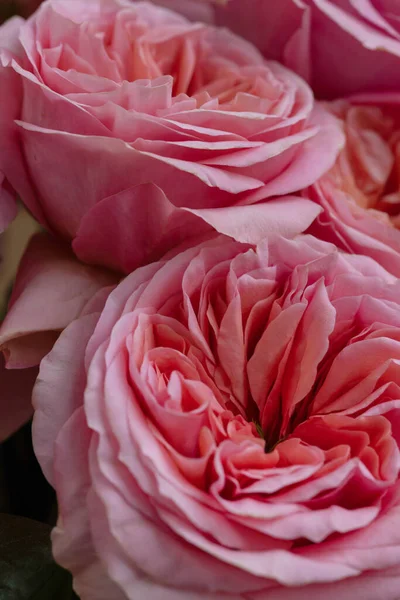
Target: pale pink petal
50, 291
287, 216
134, 227
382, 585
312, 162
60, 370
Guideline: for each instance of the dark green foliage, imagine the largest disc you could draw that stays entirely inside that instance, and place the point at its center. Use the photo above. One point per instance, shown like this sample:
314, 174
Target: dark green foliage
27, 569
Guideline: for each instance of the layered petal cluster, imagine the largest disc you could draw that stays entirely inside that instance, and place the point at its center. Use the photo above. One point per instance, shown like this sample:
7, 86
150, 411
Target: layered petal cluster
110, 95
361, 194
225, 424
340, 46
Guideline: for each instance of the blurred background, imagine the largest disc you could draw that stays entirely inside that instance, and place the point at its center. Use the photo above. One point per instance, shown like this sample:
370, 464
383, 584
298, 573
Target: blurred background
24, 8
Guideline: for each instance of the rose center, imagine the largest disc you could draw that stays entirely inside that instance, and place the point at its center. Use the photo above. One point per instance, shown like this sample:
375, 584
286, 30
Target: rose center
199, 68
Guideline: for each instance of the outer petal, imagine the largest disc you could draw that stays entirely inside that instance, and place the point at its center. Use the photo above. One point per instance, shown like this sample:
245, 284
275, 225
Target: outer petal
287, 216
117, 166
314, 160
133, 227
368, 586
62, 369
72, 540
140, 224
51, 289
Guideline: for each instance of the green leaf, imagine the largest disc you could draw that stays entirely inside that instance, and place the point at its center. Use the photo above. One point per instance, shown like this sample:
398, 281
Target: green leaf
27, 568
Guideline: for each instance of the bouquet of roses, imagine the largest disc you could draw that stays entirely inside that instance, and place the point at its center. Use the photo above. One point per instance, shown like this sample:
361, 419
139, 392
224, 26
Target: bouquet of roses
213, 303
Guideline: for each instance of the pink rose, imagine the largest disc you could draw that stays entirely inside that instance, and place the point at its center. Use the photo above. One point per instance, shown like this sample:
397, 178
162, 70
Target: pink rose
226, 424
340, 46
361, 193
157, 127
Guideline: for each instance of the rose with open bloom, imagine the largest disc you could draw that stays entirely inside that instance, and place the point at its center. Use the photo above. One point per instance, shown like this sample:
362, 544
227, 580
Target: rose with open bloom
360, 195
225, 423
340, 46
109, 95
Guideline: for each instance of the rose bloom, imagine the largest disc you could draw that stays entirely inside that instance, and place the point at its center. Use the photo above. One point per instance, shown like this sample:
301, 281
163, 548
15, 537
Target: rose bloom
340, 46
361, 194
107, 96
225, 423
